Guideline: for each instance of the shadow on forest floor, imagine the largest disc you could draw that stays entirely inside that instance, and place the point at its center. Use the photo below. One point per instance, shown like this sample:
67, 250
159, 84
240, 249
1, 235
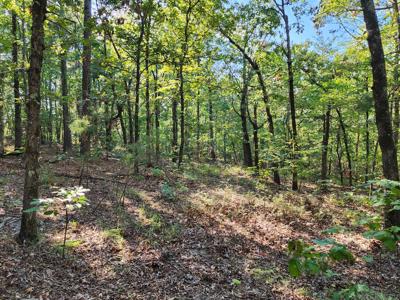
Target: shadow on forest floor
202, 232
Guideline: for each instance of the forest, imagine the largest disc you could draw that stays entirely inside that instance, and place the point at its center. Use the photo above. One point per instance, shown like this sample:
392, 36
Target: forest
199, 149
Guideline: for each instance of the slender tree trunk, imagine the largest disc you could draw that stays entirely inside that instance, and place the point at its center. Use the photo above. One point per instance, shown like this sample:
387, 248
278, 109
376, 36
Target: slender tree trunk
51, 110
339, 156
28, 230
346, 146
261, 82
120, 112
247, 157
157, 114
396, 75
198, 127
255, 138
174, 129
1, 114
382, 115
67, 138
295, 186
325, 145
137, 93
367, 147
130, 115
213, 155
86, 74
224, 149
185, 49
147, 96
17, 96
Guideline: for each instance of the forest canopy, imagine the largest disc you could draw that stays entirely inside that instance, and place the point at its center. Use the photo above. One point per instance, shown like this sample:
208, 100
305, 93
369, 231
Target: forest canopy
299, 95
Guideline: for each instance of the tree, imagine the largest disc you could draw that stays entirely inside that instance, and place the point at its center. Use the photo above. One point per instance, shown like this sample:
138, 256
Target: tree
86, 77
28, 231
17, 96
382, 114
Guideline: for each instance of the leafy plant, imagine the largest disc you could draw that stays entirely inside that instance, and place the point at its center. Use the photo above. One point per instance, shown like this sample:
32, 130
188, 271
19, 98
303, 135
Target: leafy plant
70, 199
359, 292
304, 258
167, 192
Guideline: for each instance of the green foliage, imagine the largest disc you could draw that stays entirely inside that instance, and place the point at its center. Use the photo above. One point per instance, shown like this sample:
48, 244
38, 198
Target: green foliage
157, 173
359, 292
168, 192
304, 258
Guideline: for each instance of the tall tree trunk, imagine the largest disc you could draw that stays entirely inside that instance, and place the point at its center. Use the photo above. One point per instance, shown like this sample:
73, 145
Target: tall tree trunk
175, 128
396, 75
120, 112
253, 63
86, 74
28, 230
339, 155
130, 115
295, 186
382, 115
198, 127
255, 138
157, 114
346, 146
51, 110
17, 96
367, 147
137, 93
185, 48
247, 157
325, 145
2, 114
213, 155
67, 137
147, 96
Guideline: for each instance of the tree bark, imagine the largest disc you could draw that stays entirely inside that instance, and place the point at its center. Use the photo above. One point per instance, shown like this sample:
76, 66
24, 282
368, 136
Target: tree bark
157, 114
17, 95
288, 51
28, 230
147, 97
325, 145
2, 114
346, 146
213, 155
247, 157
137, 93
382, 114
86, 73
396, 75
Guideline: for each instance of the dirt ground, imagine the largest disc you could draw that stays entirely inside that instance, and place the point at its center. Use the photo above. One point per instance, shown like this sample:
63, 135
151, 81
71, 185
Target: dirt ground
201, 232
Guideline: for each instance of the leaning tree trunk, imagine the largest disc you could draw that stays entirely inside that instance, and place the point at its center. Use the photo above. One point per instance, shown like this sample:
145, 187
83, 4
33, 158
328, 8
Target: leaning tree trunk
28, 231
17, 96
382, 114
86, 85
253, 63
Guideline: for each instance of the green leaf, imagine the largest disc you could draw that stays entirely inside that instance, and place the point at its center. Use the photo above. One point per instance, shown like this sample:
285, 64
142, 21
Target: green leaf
32, 209
294, 267
340, 253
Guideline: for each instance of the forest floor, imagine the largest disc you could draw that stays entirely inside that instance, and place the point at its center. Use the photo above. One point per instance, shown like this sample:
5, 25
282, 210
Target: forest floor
201, 232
